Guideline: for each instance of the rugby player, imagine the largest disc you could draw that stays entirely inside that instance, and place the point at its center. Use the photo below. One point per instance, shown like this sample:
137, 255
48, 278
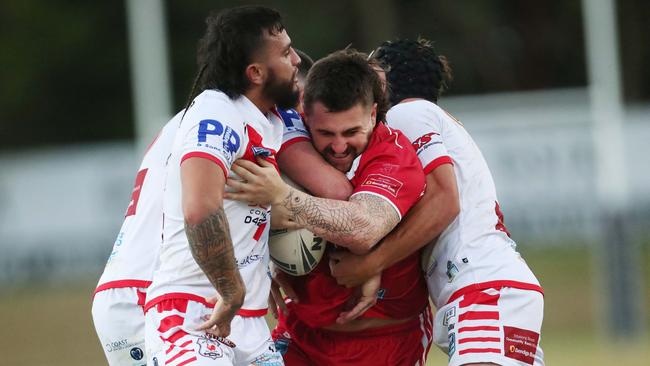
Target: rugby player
211, 245
490, 305
344, 104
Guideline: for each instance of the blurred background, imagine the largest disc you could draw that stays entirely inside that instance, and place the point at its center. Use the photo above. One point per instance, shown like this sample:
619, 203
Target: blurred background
556, 94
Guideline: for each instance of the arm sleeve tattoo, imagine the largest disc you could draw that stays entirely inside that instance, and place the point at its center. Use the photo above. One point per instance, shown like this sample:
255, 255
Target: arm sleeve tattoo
357, 224
212, 249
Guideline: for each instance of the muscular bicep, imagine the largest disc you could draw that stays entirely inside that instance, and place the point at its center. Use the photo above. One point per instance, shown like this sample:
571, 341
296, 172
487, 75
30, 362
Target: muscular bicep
305, 166
202, 182
357, 224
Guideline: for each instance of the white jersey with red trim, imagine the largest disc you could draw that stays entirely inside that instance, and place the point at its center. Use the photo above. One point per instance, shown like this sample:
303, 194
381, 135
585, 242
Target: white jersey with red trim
294, 128
135, 252
221, 130
475, 249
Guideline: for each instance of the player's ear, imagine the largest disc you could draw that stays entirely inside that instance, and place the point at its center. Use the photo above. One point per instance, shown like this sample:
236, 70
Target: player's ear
373, 114
256, 73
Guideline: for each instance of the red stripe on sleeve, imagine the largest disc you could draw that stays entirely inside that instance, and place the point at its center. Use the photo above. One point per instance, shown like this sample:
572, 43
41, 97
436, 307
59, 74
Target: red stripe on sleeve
198, 154
436, 163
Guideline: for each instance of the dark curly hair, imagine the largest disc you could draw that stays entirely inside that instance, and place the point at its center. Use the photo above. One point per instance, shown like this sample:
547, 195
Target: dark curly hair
343, 79
413, 69
232, 37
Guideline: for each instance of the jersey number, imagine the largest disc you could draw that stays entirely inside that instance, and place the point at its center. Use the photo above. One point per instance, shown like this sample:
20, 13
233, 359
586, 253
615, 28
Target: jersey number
135, 195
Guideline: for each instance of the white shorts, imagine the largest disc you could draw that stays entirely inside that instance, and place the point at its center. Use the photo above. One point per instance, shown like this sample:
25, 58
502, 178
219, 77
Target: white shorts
119, 321
172, 338
501, 326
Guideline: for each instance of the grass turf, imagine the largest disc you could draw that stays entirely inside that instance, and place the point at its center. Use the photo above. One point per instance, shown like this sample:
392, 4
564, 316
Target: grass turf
51, 325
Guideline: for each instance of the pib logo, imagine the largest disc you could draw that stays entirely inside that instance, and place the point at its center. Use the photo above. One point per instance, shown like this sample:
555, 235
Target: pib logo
289, 116
231, 140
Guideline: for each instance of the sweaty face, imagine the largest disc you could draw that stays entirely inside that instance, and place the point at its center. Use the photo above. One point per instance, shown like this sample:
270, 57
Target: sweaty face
281, 85
341, 136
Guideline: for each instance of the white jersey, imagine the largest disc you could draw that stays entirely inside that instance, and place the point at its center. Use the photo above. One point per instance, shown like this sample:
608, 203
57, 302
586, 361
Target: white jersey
135, 252
475, 251
294, 128
221, 130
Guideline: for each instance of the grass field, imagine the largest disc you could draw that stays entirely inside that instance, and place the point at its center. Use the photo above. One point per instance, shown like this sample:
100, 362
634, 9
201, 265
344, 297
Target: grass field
51, 325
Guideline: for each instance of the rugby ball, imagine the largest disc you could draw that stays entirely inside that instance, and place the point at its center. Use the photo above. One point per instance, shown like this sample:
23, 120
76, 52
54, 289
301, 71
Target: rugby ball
295, 252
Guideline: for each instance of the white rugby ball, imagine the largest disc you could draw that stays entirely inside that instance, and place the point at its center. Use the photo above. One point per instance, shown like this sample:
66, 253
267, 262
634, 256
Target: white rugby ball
295, 252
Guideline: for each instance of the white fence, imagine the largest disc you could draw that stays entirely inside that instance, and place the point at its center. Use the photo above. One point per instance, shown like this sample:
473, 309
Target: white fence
60, 208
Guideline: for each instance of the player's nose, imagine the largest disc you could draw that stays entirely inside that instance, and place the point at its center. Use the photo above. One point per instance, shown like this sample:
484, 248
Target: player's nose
295, 59
339, 145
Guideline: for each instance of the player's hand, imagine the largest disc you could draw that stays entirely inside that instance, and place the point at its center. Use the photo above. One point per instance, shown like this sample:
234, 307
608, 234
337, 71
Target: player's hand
260, 185
352, 270
219, 322
367, 298
279, 281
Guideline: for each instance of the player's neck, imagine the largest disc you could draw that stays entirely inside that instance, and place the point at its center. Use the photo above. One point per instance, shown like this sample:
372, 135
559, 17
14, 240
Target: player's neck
256, 97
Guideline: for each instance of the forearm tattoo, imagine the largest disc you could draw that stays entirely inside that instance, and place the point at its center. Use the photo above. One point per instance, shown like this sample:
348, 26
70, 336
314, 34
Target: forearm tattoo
212, 249
365, 218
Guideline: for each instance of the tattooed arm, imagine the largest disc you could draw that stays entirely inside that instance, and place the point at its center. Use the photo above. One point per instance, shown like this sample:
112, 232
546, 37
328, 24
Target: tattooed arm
206, 227
357, 224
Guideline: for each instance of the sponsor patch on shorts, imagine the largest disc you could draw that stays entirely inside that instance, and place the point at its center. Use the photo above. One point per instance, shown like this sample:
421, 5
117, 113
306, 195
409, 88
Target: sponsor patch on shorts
136, 353
209, 347
520, 344
383, 182
449, 314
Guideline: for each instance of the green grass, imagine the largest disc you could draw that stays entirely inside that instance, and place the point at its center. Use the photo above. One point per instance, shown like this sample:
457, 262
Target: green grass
51, 325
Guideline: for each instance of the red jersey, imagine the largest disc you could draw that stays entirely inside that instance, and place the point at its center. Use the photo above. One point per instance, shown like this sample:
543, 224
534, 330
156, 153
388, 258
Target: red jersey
388, 168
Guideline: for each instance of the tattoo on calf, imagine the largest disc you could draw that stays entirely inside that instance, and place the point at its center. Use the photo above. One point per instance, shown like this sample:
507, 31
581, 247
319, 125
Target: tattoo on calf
212, 249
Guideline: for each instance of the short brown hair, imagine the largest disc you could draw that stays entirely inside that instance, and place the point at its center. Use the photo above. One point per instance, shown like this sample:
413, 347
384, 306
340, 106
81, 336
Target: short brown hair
342, 80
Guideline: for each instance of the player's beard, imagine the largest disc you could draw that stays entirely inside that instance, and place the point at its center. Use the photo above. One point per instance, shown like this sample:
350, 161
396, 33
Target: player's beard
284, 94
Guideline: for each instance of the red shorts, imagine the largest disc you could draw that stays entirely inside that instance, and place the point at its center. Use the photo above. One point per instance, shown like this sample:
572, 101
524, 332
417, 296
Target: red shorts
402, 344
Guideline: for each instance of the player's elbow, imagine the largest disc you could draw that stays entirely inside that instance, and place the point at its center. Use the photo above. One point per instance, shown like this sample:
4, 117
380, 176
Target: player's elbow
197, 213
452, 208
